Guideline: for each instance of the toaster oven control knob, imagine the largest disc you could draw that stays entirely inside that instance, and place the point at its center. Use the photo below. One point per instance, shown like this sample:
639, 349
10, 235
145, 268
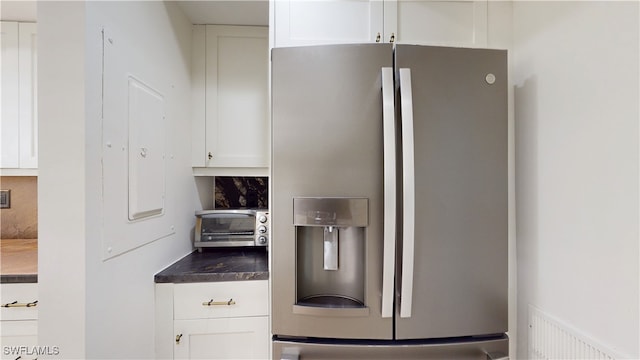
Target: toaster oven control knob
262, 219
262, 229
262, 240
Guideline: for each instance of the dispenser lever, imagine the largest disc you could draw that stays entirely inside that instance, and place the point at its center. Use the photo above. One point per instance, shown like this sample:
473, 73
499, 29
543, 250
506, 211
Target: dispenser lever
330, 248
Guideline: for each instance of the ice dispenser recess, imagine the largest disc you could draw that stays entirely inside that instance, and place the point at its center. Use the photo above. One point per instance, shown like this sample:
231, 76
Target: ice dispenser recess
330, 255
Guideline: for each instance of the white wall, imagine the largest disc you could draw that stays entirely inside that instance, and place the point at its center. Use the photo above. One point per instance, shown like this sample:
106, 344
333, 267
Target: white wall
61, 178
91, 307
577, 110
500, 36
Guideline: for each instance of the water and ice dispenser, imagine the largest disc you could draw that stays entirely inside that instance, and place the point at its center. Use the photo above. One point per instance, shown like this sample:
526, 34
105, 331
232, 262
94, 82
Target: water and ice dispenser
330, 252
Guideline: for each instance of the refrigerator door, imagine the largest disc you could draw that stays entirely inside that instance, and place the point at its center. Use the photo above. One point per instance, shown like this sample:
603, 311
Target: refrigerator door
497, 348
453, 253
326, 172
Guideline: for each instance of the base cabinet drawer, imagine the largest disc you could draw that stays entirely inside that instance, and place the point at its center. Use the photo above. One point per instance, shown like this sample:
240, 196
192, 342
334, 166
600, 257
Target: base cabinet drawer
229, 338
19, 302
221, 299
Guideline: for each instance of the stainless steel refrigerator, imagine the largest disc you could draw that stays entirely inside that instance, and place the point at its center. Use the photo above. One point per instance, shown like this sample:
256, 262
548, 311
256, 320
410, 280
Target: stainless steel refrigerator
389, 202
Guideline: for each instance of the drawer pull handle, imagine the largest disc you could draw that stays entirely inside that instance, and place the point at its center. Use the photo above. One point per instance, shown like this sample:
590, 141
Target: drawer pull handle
17, 304
178, 337
216, 303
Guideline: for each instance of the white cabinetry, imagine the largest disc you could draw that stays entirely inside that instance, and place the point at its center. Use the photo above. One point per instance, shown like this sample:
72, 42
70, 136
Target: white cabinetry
424, 22
18, 319
327, 22
230, 121
438, 22
217, 320
19, 118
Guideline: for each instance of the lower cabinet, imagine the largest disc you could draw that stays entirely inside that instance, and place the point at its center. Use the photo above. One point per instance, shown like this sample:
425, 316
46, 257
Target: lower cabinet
18, 320
216, 320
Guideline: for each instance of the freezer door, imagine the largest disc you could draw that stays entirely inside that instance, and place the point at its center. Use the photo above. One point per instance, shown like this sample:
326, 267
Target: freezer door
458, 350
327, 169
452, 263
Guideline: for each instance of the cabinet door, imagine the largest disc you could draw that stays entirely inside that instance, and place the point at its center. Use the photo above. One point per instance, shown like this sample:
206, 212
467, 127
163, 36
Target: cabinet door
229, 338
18, 122
327, 22
28, 96
9, 120
437, 22
237, 96
18, 337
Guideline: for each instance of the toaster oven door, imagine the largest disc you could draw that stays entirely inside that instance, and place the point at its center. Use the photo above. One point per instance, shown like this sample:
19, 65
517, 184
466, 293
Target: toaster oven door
234, 229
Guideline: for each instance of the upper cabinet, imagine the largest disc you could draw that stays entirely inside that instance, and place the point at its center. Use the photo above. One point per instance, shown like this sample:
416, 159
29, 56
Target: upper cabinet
438, 22
424, 22
327, 22
19, 117
230, 120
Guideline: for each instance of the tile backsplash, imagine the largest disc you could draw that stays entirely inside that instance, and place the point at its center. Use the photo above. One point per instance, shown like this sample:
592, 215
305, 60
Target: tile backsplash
234, 192
20, 221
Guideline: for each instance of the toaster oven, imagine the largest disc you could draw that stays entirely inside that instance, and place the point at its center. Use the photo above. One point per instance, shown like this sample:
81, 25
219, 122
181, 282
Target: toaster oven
231, 228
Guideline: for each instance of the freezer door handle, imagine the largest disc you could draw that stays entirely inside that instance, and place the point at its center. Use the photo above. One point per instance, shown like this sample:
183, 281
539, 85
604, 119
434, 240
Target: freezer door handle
497, 356
389, 157
408, 193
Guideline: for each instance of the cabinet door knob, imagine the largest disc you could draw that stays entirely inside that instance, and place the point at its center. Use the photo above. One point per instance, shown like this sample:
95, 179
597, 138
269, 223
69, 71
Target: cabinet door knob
392, 38
178, 337
378, 38
210, 156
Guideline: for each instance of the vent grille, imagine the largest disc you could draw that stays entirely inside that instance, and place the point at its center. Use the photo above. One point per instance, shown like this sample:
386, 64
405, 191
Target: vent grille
551, 339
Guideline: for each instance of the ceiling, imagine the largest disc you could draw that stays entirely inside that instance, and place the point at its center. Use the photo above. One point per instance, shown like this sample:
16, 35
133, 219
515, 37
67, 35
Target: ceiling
227, 12
18, 10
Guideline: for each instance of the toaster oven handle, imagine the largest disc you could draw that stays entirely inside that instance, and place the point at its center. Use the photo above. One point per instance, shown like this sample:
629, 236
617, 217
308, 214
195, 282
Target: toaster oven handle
226, 212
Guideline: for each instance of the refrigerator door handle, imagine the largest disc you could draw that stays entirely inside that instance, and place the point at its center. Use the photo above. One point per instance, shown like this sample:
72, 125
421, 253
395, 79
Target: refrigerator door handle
389, 157
408, 193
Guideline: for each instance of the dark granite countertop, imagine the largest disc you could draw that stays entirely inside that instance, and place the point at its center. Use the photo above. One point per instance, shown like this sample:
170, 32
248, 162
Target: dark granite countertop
218, 265
18, 278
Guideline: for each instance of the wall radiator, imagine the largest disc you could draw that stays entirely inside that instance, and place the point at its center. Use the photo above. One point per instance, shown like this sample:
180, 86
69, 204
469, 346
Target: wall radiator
549, 338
